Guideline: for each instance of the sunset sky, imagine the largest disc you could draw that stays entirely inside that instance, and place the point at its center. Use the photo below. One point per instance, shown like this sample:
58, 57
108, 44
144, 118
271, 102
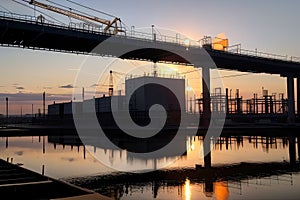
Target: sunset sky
268, 26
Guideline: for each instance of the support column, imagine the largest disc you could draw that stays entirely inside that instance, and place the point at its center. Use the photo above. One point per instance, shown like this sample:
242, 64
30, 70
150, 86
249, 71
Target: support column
206, 95
291, 99
292, 149
298, 96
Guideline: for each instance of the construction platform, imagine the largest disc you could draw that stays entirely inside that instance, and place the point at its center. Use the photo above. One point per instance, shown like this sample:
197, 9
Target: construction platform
17, 182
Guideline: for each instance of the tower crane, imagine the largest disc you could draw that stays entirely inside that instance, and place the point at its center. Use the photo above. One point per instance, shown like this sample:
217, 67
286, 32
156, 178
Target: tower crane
115, 24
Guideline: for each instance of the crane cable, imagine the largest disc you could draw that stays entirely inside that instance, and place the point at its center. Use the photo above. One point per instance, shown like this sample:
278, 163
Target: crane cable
5, 9
60, 22
73, 9
98, 11
78, 4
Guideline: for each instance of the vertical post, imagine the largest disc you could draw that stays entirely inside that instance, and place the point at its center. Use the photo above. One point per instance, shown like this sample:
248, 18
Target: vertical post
227, 103
6, 107
44, 145
266, 105
206, 95
82, 93
298, 95
43, 170
271, 105
44, 106
291, 99
31, 111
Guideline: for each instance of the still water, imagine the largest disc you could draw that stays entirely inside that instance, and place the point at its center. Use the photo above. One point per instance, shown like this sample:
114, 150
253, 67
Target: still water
244, 167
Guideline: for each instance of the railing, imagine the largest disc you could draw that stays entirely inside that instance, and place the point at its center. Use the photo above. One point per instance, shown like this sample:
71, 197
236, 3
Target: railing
236, 49
157, 37
174, 76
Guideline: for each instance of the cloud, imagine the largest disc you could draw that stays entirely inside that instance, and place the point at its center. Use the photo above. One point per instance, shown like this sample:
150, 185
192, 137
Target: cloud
69, 86
20, 88
47, 87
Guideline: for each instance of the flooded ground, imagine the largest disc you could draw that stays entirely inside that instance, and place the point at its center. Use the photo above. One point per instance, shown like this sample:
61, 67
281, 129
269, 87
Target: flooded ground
244, 167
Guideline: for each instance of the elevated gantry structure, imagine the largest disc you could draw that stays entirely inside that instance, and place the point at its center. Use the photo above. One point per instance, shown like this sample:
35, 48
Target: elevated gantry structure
28, 32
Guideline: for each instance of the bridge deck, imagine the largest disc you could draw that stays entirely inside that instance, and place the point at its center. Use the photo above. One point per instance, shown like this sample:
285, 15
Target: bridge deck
24, 32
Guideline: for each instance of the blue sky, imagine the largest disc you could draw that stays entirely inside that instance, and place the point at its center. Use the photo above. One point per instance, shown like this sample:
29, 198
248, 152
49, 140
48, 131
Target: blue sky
269, 26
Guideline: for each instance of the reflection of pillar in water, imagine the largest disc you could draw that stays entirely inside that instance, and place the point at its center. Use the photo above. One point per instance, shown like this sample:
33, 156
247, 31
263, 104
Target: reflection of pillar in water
155, 187
6, 142
207, 153
208, 187
292, 149
44, 149
226, 140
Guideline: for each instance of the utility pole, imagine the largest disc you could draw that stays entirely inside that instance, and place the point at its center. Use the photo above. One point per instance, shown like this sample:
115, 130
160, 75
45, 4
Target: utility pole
7, 107
82, 93
44, 109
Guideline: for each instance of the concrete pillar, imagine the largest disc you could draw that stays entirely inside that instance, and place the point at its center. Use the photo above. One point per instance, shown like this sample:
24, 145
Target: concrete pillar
291, 99
206, 95
292, 149
298, 95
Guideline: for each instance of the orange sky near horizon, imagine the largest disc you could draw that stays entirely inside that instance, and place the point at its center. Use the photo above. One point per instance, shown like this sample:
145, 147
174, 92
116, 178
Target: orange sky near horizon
272, 29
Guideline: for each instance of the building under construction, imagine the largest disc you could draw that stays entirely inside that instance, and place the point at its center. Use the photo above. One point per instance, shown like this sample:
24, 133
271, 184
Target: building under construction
141, 93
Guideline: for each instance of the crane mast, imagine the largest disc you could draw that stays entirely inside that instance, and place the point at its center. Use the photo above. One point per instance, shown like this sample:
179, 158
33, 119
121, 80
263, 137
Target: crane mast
109, 24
